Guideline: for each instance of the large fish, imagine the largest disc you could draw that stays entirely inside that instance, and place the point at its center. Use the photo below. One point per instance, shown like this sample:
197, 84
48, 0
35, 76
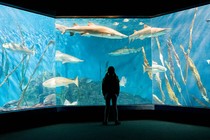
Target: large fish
125, 51
148, 32
91, 30
155, 68
18, 48
65, 58
60, 81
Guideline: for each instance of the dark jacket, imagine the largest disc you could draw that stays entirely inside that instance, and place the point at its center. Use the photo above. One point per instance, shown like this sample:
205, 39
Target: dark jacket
110, 84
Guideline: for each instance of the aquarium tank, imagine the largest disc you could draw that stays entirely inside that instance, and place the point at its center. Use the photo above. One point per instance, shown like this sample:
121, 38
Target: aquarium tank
47, 61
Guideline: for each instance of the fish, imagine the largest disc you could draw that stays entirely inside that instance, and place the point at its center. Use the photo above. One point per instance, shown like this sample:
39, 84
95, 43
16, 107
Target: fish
50, 99
12, 103
91, 30
208, 61
116, 23
125, 51
148, 32
89, 81
124, 27
67, 102
18, 48
123, 81
60, 81
65, 58
155, 68
125, 20
141, 23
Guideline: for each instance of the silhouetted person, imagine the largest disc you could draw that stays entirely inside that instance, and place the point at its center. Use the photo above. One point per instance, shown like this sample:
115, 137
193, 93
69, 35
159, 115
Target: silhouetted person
110, 90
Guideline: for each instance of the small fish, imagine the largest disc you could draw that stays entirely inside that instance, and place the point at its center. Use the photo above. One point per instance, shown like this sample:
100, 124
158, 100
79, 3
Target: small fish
125, 20
115, 23
125, 51
66, 58
18, 48
89, 81
67, 102
60, 81
208, 61
12, 103
50, 99
123, 81
141, 23
124, 27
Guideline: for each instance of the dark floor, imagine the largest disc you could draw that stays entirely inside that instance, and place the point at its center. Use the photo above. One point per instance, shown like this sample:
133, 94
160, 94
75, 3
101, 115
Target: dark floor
128, 130
140, 122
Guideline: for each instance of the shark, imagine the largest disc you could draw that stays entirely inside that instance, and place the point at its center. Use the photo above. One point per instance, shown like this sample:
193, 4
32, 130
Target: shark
18, 48
148, 32
65, 58
125, 51
91, 30
155, 68
59, 82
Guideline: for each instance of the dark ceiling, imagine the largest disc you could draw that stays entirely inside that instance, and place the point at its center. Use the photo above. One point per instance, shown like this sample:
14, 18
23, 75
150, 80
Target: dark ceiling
92, 8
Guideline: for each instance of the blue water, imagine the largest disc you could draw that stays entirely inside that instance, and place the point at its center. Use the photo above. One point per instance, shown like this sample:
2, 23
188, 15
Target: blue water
24, 85
180, 23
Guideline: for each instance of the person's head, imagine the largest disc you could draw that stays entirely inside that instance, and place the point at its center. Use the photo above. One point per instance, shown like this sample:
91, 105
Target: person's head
111, 70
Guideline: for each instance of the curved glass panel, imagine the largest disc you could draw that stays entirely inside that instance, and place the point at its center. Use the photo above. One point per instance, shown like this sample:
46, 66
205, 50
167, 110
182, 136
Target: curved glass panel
54, 62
